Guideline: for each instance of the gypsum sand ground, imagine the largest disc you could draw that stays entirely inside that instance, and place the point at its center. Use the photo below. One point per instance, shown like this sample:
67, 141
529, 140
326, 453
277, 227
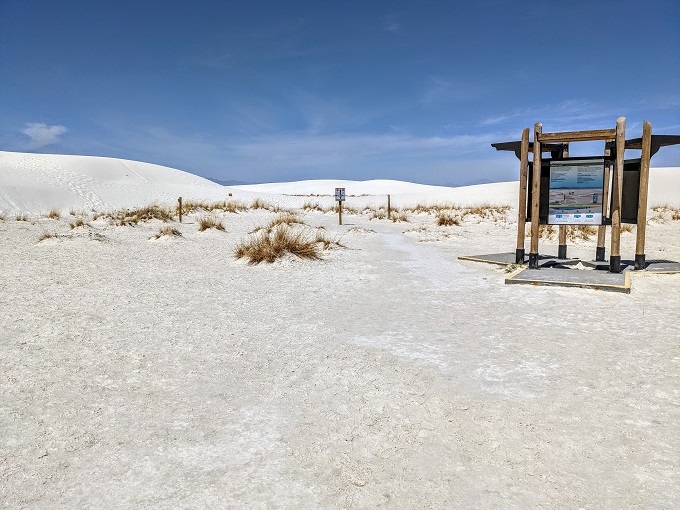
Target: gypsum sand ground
167, 374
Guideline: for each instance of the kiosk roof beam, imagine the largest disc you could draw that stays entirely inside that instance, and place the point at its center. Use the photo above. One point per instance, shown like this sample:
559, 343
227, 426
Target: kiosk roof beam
578, 136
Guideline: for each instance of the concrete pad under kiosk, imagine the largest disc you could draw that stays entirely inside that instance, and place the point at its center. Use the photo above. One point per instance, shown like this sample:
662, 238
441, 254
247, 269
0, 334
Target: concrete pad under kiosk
589, 279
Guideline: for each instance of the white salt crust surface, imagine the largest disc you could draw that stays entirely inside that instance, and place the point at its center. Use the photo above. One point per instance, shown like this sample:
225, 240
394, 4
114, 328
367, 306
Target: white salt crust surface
142, 373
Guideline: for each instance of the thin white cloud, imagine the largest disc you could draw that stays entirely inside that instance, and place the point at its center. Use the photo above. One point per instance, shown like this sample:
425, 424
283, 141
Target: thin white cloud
441, 90
567, 112
390, 24
42, 134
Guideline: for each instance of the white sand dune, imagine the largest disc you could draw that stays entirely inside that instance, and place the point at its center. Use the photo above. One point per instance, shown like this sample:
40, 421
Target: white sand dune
36, 183
145, 373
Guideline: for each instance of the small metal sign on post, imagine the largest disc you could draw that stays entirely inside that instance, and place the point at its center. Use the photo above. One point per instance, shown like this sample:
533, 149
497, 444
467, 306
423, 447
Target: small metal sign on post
340, 198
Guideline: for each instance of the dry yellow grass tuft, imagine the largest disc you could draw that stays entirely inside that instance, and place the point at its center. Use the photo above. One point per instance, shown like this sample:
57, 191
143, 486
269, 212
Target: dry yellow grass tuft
207, 222
54, 214
47, 235
150, 212
268, 246
167, 231
2, 217
446, 219
79, 222
312, 206
21, 217
399, 217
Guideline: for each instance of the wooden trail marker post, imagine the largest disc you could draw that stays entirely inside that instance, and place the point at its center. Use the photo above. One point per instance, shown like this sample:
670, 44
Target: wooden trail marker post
339, 198
389, 208
617, 191
179, 208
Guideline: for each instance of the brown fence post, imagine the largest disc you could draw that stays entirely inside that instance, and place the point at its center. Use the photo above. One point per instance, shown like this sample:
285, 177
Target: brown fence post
389, 208
180, 209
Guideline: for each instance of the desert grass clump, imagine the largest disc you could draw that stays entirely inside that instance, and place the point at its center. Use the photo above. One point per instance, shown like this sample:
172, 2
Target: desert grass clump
326, 242
627, 227
269, 246
54, 214
312, 206
150, 212
79, 222
207, 222
380, 214
285, 218
2, 216
47, 235
21, 217
583, 232
167, 231
399, 217
446, 219
234, 206
662, 210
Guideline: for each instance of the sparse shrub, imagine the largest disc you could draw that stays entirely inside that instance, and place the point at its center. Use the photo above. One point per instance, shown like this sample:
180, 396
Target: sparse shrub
21, 217
380, 214
287, 218
54, 214
269, 246
2, 217
209, 222
446, 219
583, 232
627, 227
327, 243
47, 235
79, 222
150, 212
168, 231
258, 203
399, 217
234, 206
312, 206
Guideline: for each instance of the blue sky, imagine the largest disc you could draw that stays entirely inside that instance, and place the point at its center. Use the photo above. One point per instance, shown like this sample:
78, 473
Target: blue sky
264, 91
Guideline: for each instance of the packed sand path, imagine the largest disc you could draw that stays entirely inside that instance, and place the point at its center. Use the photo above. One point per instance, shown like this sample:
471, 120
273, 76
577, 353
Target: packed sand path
167, 374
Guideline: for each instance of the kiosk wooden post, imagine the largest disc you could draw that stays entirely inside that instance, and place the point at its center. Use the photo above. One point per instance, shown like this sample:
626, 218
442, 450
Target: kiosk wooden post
642, 201
535, 198
562, 243
617, 190
522, 212
602, 229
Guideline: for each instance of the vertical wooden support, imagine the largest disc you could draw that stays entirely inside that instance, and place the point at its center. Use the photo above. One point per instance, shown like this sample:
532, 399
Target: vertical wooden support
179, 208
642, 201
340, 212
535, 198
522, 213
602, 229
389, 208
562, 242
617, 190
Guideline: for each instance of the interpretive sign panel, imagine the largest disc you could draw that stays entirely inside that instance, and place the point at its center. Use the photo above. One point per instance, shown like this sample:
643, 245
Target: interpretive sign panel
339, 194
576, 189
